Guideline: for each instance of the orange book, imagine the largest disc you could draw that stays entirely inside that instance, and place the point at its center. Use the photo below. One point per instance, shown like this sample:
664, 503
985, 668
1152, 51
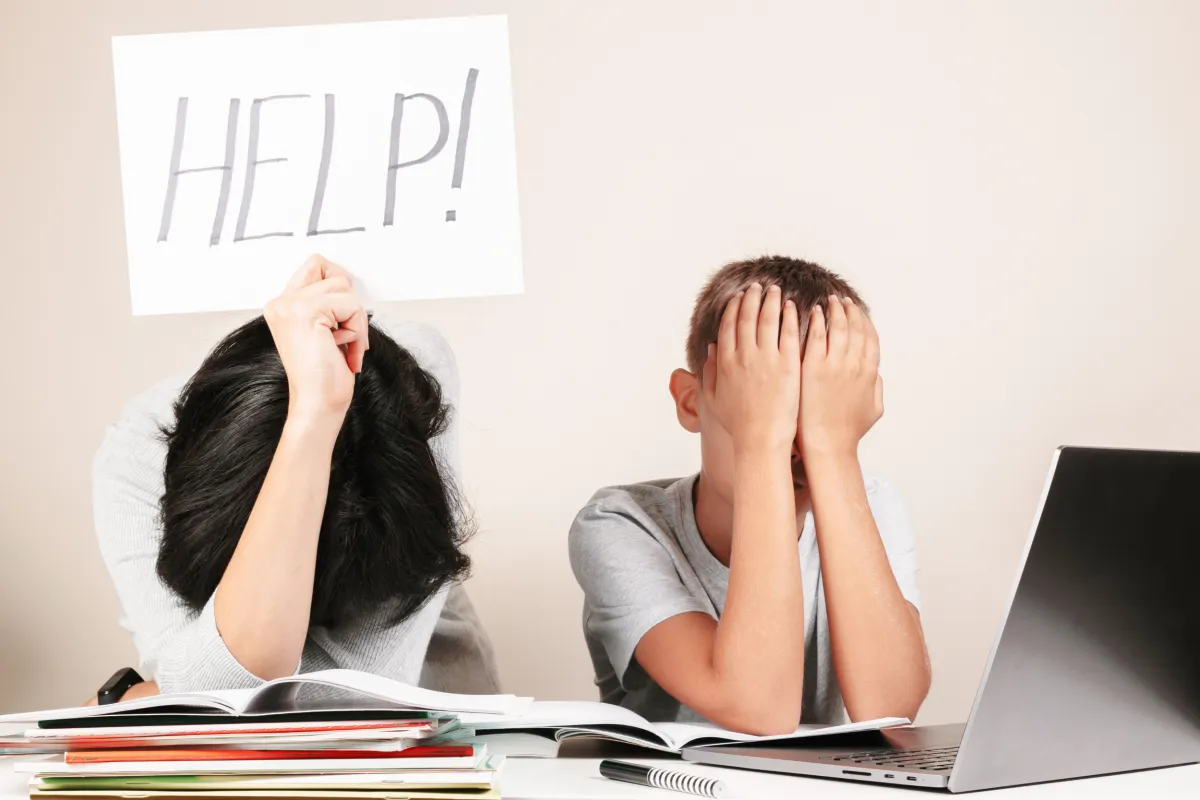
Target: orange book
171, 754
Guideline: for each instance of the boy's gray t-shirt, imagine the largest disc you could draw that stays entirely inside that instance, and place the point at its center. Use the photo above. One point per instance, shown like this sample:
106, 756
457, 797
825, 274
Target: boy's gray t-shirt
639, 557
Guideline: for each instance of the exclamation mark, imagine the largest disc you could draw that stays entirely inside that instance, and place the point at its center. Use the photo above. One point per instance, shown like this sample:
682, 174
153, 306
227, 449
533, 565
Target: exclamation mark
464, 128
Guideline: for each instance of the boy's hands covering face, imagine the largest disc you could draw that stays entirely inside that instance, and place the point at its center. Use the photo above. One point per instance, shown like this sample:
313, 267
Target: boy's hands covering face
751, 378
842, 394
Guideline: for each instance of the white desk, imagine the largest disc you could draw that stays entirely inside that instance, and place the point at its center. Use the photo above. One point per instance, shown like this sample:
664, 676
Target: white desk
568, 777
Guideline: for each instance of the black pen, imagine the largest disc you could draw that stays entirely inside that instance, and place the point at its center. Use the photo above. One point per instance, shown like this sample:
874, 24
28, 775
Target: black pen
661, 778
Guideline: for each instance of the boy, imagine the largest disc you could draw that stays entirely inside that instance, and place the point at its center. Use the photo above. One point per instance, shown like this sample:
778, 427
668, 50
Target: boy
699, 605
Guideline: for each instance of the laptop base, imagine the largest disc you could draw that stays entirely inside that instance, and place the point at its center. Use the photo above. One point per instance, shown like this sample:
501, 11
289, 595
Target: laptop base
888, 757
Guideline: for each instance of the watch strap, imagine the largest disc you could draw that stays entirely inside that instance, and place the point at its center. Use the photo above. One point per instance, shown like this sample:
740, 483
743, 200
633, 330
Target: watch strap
116, 686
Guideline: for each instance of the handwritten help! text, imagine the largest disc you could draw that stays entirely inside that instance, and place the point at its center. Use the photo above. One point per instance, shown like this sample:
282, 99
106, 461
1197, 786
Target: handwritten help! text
253, 160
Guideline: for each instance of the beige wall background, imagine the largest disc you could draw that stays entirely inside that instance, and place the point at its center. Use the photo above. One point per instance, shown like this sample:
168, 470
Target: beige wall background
1012, 185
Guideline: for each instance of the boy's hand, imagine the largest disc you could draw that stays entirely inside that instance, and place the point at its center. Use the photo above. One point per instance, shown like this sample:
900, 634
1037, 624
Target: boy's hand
320, 330
842, 396
752, 374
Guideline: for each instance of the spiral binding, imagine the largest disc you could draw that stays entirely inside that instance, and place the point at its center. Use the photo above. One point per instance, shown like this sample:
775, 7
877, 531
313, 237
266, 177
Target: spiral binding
683, 782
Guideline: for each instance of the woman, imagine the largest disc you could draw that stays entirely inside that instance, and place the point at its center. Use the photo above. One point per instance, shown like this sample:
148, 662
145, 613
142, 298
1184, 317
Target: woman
299, 508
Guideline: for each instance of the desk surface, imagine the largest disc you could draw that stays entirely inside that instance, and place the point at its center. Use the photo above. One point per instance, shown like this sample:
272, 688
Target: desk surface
575, 774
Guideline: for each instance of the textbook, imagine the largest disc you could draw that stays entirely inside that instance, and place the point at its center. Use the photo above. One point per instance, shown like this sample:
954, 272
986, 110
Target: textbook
476, 758
515, 744
483, 778
400, 737
443, 784
475, 776
561, 720
341, 690
36, 792
443, 756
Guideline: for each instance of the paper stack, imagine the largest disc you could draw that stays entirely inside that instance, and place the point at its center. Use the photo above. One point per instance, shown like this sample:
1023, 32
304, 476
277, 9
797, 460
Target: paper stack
361, 737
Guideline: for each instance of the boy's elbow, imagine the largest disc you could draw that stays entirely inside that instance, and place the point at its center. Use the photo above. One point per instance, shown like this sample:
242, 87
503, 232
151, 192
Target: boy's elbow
777, 725
868, 713
757, 717
881, 708
901, 698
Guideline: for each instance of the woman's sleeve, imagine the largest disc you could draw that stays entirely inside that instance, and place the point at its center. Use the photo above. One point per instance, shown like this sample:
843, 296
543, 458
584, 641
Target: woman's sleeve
179, 649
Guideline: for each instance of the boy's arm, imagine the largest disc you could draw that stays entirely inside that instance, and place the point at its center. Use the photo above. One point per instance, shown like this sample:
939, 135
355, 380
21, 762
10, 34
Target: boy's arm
878, 647
746, 672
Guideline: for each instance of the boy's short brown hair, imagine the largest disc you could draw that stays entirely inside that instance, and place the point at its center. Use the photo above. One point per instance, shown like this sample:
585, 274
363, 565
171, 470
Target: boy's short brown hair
803, 282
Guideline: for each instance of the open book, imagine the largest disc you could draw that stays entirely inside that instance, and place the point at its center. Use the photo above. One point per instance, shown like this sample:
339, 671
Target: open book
358, 692
562, 720
329, 690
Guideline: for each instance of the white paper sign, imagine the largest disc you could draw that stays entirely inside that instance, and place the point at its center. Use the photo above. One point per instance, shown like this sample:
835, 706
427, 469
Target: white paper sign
387, 147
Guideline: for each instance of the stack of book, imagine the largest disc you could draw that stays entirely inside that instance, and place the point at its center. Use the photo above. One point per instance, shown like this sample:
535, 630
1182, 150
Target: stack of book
337, 733
328, 734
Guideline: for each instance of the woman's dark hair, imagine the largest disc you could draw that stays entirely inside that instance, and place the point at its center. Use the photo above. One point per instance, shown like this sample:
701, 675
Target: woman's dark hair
393, 527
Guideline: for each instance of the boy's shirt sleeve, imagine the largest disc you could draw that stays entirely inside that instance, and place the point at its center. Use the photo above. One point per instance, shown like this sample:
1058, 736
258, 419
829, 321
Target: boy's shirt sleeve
629, 579
891, 518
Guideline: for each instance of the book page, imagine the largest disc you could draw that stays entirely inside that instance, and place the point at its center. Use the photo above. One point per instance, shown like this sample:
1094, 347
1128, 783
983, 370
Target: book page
228, 701
685, 735
571, 719
559, 714
514, 744
280, 694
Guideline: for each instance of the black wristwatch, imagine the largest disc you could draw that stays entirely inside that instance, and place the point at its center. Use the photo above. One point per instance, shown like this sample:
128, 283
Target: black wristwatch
116, 686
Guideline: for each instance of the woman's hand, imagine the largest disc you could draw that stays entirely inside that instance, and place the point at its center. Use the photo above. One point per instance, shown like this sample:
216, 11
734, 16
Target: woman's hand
265, 595
320, 330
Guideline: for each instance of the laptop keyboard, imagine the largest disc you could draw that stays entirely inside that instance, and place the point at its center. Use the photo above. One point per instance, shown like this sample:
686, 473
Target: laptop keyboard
936, 759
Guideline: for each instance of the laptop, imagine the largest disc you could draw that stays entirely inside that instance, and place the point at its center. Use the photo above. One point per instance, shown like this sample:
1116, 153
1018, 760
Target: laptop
1096, 667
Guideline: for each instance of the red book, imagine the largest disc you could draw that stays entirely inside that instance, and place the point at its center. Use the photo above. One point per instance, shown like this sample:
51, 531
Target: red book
164, 754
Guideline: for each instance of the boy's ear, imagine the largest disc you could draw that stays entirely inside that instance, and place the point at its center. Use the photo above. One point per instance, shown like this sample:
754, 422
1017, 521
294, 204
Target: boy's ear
685, 388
